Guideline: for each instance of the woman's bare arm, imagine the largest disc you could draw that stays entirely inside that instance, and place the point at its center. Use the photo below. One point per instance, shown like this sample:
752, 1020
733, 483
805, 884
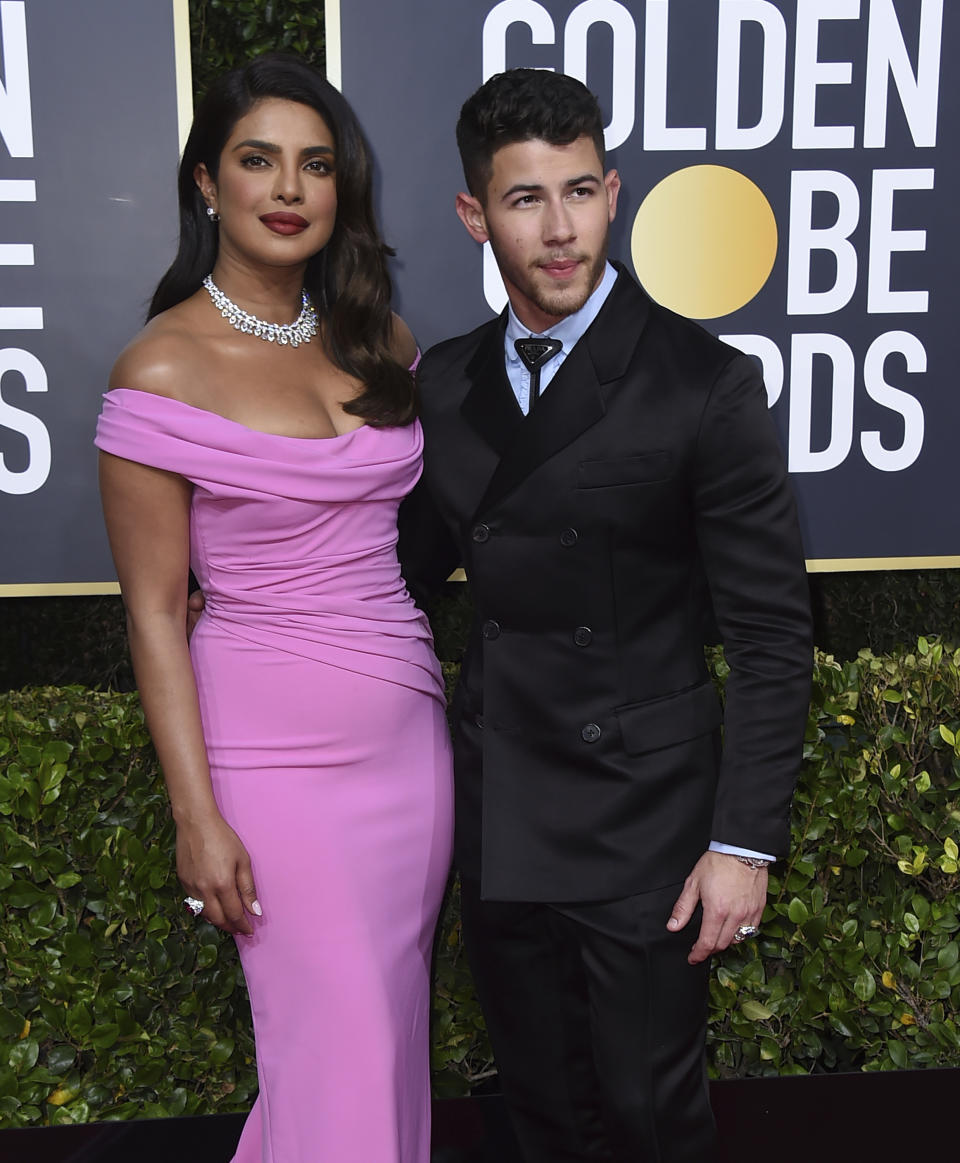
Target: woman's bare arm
147, 516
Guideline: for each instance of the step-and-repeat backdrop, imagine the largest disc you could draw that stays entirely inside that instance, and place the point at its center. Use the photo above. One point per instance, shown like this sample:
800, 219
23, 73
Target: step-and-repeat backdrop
89, 143
790, 179
790, 173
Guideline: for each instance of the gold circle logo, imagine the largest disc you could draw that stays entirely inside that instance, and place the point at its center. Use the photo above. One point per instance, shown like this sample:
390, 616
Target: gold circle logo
704, 241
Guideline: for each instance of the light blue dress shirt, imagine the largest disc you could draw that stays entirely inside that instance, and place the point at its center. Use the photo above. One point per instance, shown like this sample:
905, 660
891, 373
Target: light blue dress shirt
569, 331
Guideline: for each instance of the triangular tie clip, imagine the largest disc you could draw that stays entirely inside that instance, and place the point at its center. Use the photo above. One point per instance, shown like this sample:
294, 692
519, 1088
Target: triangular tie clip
535, 353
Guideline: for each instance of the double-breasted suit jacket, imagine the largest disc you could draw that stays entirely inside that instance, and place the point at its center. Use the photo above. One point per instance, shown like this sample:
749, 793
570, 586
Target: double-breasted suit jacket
596, 532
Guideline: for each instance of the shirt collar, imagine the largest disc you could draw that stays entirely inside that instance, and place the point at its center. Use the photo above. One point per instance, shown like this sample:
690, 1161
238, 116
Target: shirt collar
571, 328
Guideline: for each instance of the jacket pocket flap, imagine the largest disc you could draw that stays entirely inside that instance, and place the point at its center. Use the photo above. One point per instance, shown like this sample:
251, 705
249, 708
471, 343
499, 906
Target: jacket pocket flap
657, 723
624, 470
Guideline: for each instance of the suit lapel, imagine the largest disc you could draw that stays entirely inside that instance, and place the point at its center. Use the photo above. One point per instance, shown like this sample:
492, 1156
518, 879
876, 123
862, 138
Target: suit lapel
571, 404
490, 407
576, 397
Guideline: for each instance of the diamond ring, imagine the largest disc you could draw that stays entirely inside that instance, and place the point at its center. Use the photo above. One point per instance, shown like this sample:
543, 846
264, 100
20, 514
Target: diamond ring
194, 905
743, 932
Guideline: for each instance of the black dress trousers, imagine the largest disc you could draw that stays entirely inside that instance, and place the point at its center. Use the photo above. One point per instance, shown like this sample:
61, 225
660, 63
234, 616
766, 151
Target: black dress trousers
598, 1027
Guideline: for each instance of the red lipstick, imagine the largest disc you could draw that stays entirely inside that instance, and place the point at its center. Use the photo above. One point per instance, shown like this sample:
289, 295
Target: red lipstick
282, 222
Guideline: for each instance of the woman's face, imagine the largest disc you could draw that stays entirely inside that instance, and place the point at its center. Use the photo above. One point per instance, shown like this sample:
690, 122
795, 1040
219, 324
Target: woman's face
276, 190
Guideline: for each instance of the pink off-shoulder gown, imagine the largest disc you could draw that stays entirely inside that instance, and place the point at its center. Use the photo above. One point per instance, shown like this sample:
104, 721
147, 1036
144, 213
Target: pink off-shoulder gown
323, 715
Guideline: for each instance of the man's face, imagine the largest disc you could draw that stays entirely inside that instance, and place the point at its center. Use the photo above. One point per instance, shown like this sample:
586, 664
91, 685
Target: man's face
547, 216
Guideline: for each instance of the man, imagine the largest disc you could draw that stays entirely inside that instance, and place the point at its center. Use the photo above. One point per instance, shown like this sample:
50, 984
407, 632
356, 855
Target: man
603, 486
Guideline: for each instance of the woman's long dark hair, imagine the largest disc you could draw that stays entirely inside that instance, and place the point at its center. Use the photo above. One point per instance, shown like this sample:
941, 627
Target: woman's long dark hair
347, 280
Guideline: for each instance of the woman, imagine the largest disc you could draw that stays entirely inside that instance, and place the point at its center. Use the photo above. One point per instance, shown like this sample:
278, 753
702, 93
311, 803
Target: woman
302, 733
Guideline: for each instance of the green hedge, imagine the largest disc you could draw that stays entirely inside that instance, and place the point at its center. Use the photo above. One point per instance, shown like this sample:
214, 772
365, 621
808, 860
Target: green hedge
857, 965
112, 1005
225, 33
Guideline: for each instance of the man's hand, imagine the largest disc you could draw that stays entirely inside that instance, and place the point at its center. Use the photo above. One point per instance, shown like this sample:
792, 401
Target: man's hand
195, 604
732, 895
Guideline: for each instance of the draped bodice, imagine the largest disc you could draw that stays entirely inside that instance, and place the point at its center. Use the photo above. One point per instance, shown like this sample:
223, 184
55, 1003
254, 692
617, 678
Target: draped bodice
293, 540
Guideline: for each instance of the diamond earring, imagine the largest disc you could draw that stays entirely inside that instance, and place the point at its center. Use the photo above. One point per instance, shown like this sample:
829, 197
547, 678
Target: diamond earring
212, 214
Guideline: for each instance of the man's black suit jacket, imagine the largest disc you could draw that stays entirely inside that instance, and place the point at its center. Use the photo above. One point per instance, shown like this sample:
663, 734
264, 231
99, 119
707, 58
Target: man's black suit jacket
647, 483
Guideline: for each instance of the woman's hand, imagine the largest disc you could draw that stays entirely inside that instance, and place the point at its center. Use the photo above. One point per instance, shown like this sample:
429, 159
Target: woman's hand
195, 607
213, 865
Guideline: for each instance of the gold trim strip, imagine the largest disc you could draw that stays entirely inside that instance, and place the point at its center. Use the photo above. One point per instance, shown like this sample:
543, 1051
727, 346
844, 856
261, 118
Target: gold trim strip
862, 564
843, 565
58, 589
824, 565
184, 73
331, 34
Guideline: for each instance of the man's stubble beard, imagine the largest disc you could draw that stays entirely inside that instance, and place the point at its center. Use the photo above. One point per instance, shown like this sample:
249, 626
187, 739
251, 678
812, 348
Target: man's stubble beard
559, 304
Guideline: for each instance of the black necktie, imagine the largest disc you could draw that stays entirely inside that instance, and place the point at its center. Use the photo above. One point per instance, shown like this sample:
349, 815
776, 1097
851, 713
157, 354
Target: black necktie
535, 353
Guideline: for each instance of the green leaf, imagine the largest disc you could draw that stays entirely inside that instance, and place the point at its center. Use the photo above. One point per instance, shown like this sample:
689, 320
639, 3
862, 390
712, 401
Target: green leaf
726, 978
947, 735
30, 755
60, 1058
57, 751
78, 950
23, 1054
949, 955
865, 985
104, 1036
797, 911
921, 906
755, 1011
21, 895
221, 1051
206, 956
815, 929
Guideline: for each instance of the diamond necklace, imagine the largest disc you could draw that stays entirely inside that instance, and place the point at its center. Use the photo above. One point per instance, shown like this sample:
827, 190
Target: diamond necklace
301, 330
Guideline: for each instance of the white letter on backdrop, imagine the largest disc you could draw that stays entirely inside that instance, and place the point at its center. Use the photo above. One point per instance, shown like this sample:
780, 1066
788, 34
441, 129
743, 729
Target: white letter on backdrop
733, 14
28, 480
624, 86
656, 134
499, 19
887, 54
899, 343
805, 238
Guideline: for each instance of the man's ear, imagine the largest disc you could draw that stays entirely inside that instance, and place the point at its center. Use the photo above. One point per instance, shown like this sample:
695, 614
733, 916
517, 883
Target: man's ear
470, 213
206, 185
611, 181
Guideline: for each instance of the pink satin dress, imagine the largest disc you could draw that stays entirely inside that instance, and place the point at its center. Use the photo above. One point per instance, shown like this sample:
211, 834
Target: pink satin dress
323, 715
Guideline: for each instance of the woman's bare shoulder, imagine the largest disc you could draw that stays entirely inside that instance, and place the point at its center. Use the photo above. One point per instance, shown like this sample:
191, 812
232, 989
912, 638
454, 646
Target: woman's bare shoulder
402, 343
163, 358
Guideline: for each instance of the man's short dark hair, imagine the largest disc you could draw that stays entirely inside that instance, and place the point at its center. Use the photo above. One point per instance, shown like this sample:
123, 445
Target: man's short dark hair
523, 105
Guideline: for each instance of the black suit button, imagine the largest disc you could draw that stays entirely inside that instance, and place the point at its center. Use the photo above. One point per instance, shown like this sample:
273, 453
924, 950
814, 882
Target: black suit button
582, 636
569, 537
478, 720
591, 733
491, 629
481, 533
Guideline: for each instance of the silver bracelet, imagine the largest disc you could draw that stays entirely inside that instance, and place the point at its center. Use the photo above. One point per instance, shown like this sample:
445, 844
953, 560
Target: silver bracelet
754, 862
